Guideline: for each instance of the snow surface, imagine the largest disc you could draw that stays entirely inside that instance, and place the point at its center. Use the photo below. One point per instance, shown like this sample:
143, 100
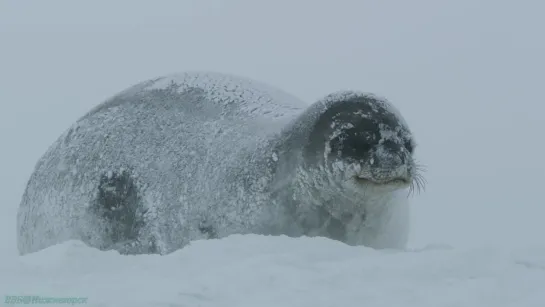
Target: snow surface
263, 271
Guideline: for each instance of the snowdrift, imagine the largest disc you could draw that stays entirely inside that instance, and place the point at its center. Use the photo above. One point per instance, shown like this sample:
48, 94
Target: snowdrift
252, 270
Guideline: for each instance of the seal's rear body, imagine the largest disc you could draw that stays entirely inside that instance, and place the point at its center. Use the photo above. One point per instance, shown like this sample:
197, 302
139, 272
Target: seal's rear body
140, 172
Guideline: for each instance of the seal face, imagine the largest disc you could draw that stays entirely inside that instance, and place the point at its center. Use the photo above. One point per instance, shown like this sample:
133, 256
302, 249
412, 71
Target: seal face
204, 155
361, 136
356, 161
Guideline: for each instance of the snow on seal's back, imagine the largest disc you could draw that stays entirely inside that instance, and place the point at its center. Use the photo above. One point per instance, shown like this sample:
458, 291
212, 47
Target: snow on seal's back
253, 99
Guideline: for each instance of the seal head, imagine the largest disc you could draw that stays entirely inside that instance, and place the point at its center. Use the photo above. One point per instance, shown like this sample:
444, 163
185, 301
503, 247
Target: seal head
356, 164
363, 139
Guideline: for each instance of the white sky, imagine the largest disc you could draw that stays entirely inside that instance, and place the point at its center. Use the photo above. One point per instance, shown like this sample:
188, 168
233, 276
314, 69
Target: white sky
466, 74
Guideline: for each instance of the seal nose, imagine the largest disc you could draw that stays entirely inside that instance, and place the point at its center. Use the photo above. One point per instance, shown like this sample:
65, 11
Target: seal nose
391, 161
393, 152
391, 145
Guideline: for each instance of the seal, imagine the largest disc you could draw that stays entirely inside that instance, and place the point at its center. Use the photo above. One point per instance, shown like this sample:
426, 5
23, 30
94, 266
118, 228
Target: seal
203, 155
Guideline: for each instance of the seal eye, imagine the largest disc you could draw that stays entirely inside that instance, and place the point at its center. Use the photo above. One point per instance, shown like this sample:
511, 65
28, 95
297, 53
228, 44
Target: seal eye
359, 144
352, 144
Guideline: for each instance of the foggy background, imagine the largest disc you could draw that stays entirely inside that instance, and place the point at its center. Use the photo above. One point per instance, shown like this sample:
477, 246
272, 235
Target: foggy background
466, 75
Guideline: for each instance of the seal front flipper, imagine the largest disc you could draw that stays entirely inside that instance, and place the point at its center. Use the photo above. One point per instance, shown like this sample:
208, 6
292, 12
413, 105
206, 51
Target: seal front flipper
120, 209
134, 247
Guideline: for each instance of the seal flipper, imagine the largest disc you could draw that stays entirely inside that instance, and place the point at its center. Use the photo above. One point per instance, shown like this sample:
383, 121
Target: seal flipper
119, 207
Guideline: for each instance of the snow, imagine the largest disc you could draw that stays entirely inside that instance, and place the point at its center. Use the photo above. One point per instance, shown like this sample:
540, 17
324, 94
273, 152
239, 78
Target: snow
264, 271
484, 196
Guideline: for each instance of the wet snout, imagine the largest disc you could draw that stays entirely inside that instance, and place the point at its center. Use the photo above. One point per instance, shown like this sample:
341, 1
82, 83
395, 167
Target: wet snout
391, 162
392, 153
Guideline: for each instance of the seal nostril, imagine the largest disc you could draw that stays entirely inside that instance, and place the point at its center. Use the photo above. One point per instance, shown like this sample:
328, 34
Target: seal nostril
394, 152
391, 146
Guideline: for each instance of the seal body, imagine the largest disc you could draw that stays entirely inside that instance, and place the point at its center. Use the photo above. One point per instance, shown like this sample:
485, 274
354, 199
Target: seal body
205, 155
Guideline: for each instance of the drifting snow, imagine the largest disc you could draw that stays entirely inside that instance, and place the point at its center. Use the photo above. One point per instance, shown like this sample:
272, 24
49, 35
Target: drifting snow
252, 270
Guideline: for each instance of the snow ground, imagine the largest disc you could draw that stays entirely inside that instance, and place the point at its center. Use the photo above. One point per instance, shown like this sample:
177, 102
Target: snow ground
264, 271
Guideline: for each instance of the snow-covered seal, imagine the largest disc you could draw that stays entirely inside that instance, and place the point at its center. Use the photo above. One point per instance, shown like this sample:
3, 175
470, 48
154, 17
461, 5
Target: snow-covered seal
205, 155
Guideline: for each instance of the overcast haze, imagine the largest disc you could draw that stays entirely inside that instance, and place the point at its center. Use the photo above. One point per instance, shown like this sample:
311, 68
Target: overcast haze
467, 75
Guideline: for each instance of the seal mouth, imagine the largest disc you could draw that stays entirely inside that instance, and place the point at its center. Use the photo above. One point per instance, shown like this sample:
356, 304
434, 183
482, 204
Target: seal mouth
398, 181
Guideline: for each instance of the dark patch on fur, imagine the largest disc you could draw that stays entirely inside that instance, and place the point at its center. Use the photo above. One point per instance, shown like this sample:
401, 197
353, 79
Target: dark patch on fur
207, 229
119, 205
